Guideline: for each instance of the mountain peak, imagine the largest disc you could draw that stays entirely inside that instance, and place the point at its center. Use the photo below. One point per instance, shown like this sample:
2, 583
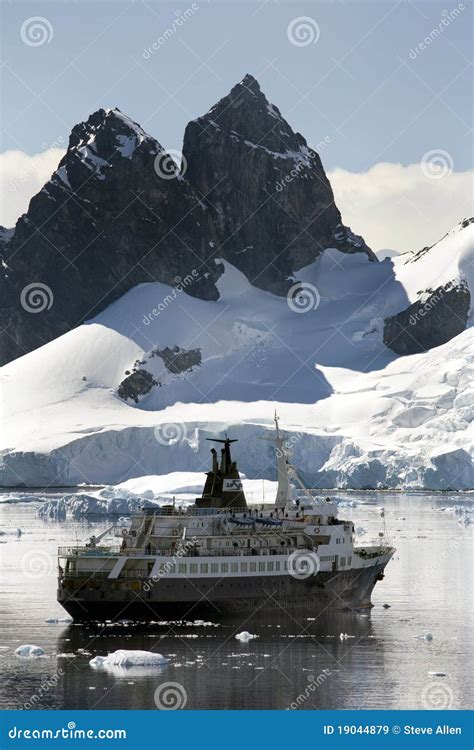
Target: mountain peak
104, 126
246, 112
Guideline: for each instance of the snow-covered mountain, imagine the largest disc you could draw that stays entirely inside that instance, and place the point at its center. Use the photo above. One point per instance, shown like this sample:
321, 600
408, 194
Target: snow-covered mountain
136, 390
118, 212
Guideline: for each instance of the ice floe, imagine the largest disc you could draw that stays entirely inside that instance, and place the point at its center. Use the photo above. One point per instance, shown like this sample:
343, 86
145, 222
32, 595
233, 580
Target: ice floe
28, 651
10, 532
424, 637
245, 636
124, 659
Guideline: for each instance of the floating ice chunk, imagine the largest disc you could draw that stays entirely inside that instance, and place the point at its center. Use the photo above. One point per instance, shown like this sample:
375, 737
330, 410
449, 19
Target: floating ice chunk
125, 659
57, 620
245, 636
10, 532
437, 674
345, 636
28, 651
359, 530
424, 637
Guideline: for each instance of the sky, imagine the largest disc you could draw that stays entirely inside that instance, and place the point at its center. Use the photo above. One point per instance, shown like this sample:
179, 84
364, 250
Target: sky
381, 89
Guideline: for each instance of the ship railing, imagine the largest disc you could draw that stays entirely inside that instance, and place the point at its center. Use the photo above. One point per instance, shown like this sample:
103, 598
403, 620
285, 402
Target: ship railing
373, 551
175, 552
88, 551
192, 510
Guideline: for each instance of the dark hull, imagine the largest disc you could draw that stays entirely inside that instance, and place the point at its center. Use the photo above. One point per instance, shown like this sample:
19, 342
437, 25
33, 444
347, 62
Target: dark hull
179, 599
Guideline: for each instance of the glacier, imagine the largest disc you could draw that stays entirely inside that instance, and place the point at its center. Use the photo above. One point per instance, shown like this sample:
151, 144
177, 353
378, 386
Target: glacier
357, 416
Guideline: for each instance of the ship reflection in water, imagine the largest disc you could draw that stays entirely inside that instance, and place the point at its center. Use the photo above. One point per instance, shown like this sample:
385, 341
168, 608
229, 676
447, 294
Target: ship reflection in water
297, 662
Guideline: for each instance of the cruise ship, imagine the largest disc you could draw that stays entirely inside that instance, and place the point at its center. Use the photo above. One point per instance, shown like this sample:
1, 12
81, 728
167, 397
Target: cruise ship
221, 555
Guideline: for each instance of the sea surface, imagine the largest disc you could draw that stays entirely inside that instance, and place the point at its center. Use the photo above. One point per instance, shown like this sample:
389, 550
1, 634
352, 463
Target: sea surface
336, 661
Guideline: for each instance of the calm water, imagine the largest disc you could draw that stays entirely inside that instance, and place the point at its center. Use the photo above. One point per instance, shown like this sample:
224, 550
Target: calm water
294, 661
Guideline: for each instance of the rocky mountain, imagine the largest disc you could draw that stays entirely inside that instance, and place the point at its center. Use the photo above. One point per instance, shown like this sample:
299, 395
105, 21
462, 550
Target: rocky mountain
118, 212
271, 205
441, 301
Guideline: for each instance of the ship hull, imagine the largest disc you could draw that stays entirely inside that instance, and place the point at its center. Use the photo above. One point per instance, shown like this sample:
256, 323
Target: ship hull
217, 599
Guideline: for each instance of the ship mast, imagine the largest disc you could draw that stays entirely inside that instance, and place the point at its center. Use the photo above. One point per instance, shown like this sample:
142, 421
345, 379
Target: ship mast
284, 490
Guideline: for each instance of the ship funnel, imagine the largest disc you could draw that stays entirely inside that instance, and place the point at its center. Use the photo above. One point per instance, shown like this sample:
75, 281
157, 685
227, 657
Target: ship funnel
223, 487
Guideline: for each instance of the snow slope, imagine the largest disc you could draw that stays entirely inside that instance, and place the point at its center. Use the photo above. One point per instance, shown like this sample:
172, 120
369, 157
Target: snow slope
356, 415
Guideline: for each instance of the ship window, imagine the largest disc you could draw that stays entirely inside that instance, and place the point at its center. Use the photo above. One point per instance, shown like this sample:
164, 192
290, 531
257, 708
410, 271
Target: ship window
234, 567
224, 567
285, 565
182, 568
244, 567
193, 568
253, 567
270, 566
214, 567
277, 566
172, 568
204, 568
342, 561
349, 560
261, 566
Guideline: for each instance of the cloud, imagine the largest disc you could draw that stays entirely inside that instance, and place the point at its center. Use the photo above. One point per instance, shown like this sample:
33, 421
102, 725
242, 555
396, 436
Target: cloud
403, 208
393, 207
21, 177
